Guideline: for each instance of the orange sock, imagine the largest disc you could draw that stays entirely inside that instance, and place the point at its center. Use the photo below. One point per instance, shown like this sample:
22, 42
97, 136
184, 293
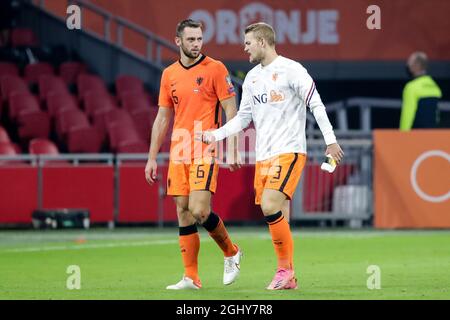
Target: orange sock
281, 239
219, 233
190, 246
292, 253
291, 249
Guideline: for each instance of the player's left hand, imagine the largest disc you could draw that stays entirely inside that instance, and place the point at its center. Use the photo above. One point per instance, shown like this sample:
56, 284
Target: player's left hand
335, 151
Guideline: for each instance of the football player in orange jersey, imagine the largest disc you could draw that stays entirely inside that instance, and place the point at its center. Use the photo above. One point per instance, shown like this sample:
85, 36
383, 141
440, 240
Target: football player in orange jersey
193, 90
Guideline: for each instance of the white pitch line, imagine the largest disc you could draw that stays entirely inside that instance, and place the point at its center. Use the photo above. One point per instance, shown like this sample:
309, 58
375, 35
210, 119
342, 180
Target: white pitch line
91, 246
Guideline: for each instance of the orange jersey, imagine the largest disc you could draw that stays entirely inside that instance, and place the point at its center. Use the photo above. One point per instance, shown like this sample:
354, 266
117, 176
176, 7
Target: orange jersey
195, 93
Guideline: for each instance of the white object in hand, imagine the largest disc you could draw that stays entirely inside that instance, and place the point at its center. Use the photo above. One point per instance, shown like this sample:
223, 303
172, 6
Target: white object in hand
329, 164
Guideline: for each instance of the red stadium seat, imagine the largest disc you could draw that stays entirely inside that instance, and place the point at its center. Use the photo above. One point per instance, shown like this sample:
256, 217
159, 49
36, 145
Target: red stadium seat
99, 121
4, 136
42, 146
24, 37
57, 102
98, 101
11, 84
84, 139
126, 83
134, 101
7, 68
90, 83
120, 132
133, 147
7, 148
17, 148
70, 70
118, 115
97, 106
74, 129
35, 70
33, 124
143, 119
49, 84
19, 101
68, 119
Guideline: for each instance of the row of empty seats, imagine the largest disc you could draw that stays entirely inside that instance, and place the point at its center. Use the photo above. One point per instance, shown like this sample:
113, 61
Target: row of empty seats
73, 107
83, 121
23, 37
68, 71
36, 146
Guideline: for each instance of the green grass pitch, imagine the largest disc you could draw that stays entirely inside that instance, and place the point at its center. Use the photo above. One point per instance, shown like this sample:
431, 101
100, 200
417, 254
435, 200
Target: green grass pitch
139, 263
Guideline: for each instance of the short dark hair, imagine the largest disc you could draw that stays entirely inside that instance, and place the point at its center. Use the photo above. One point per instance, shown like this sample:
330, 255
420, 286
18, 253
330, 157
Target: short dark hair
187, 23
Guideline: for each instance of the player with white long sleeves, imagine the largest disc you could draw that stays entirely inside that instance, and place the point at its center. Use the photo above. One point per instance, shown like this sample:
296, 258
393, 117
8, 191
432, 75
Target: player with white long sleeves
276, 94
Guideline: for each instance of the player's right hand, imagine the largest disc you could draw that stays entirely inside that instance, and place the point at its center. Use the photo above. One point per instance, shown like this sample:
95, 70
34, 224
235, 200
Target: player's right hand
234, 161
150, 171
335, 151
205, 136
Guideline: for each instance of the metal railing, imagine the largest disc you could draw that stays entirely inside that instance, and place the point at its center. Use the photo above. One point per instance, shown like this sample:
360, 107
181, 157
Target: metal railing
154, 43
366, 105
62, 159
344, 195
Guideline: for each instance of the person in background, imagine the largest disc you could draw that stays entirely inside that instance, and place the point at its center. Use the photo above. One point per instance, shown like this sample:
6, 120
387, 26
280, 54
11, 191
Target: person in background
420, 96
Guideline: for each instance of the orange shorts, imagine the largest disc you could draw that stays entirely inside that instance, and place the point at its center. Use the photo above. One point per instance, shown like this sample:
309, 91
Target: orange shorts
280, 173
183, 178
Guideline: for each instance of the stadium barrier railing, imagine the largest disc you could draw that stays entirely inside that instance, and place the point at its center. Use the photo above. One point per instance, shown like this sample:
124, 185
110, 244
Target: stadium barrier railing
345, 195
114, 189
366, 105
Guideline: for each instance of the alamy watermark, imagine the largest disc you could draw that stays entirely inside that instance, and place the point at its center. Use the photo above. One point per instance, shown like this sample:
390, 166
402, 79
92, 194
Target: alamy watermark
374, 20
73, 20
374, 280
74, 278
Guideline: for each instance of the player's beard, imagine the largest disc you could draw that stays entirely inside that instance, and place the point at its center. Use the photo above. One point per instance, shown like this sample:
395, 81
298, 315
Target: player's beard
256, 58
189, 54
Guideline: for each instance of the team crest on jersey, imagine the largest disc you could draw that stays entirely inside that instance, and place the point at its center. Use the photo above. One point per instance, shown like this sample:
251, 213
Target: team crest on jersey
228, 79
230, 84
199, 80
275, 76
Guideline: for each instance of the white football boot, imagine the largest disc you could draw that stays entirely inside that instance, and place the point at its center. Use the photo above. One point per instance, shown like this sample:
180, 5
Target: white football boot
185, 283
232, 267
